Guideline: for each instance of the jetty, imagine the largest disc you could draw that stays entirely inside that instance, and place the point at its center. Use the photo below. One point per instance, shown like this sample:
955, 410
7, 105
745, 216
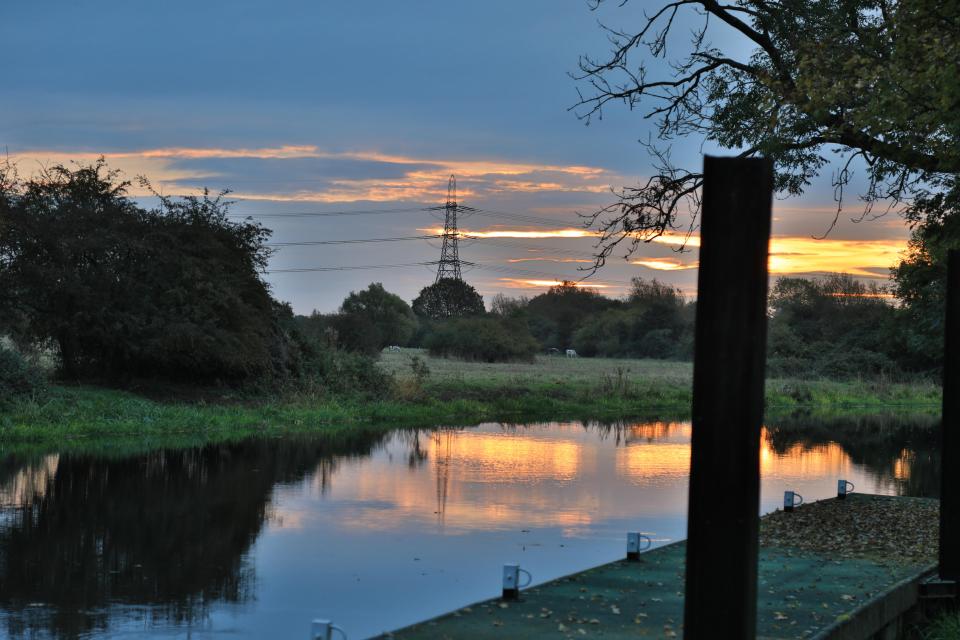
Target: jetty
838, 569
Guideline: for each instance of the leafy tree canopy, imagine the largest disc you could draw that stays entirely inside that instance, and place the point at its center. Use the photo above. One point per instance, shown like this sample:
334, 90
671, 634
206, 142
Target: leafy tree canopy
121, 291
372, 319
876, 80
448, 298
920, 284
556, 314
834, 325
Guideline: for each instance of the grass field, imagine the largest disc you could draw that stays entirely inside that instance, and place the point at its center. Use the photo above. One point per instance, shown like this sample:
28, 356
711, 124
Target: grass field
453, 393
544, 369
649, 382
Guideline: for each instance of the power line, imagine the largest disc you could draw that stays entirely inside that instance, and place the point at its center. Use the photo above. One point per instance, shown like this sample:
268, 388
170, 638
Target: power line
310, 243
538, 274
462, 209
502, 242
477, 265
323, 214
353, 268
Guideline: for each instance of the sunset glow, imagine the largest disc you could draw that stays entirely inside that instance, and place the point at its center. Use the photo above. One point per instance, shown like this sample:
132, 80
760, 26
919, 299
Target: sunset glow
788, 254
550, 260
533, 283
867, 258
422, 178
665, 264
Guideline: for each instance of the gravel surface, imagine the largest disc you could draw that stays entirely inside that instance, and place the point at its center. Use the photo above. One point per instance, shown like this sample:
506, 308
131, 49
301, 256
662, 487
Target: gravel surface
860, 526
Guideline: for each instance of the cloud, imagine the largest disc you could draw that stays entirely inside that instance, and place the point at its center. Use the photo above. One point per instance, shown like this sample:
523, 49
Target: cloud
536, 283
307, 173
789, 255
533, 234
583, 260
665, 264
864, 258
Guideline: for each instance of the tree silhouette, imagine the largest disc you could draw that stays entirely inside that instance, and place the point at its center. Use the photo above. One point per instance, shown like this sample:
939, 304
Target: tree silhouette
448, 298
876, 80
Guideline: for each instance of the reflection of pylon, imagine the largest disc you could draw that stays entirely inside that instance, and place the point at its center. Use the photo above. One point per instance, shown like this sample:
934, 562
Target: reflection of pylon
450, 254
443, 444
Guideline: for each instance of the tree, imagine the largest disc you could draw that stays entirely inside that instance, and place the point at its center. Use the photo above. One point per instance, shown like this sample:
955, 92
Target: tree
120, 291
556, 314
448, 298
920, 285
487, 339
835, 326
655, 322
876, 80
507, 307
372, 319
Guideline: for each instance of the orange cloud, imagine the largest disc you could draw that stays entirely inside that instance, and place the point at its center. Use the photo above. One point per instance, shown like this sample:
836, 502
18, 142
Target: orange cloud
525, 233
417, 184
583, 260
665, 264
790, 255
533, 283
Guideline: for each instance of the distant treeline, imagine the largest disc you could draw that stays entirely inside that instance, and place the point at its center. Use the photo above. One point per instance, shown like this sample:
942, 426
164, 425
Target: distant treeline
831, 326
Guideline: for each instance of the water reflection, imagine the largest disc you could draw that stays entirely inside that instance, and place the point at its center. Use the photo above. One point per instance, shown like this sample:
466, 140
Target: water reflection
258, 537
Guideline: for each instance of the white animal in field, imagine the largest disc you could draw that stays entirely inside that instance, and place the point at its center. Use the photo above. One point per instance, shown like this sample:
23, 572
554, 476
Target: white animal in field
393, 349
571, 353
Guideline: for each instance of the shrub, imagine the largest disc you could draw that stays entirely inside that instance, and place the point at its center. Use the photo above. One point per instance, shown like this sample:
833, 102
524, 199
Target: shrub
18, 377
485, 339
337, 371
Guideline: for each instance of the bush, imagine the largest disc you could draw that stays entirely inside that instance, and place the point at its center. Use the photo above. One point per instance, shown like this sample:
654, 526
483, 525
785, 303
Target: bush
333, 370
484, 339
18, 377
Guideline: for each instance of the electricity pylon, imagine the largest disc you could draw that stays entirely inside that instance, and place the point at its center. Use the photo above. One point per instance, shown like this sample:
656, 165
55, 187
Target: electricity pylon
450, 254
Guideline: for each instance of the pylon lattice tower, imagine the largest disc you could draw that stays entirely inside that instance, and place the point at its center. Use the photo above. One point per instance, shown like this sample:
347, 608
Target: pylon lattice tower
449, 266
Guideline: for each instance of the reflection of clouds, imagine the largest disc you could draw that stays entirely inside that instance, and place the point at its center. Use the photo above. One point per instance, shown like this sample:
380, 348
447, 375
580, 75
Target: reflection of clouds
485, 457
552, 475
29, 483
653, 462
827, 459
903, 465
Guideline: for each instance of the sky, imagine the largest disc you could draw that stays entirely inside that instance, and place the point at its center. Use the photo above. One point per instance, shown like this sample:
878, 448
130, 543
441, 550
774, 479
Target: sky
307, 107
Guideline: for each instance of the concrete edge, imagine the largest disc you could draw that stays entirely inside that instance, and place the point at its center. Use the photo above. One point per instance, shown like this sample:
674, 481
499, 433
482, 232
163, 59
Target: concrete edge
875, 614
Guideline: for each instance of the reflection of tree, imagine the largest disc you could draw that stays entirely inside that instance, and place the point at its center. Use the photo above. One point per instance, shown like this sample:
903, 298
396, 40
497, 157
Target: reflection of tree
622, 432
167, 530
898, 447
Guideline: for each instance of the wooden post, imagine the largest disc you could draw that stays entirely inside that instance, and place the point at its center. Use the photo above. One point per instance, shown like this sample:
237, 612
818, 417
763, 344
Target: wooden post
950, 443
728, 377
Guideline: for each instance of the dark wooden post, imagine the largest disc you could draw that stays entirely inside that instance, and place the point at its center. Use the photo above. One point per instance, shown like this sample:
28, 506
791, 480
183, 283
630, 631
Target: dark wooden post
728, 376
950, 446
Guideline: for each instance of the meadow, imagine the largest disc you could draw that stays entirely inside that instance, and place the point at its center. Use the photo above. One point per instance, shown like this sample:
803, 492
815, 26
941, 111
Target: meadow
435, 392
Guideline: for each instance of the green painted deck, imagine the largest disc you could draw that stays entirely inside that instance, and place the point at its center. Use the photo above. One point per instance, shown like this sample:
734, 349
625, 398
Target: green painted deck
801, 594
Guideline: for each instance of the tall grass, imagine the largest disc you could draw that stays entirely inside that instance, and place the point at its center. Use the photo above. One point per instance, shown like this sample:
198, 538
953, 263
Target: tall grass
433, 391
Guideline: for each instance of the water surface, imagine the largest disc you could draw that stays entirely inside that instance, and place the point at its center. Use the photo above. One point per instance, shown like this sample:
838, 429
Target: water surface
375, 530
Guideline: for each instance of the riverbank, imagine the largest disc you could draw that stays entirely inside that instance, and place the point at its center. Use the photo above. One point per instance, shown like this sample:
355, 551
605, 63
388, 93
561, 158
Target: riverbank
453, 393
